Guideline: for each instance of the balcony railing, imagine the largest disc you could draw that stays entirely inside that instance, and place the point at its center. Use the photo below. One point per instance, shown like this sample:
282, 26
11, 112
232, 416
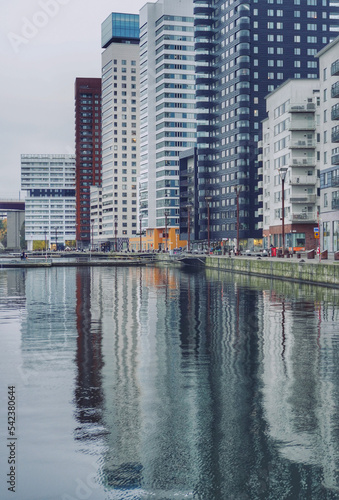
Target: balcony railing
302, 144
302, 125
308, 180
311, 198
302, 107
303, 217
335, 90
335, 68
302, 162
335, 112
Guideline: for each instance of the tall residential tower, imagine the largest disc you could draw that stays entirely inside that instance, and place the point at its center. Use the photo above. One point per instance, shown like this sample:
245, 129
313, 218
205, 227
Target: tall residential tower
167, 106
120, 128
87, 152
244, 50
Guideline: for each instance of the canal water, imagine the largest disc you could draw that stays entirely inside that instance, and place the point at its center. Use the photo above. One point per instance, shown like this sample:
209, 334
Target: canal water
158, 383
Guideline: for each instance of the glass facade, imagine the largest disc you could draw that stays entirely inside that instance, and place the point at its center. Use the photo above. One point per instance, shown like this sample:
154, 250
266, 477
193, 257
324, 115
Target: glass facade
120, 27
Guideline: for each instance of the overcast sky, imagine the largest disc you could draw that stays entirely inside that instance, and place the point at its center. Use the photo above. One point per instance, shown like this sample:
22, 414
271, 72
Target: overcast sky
44, 46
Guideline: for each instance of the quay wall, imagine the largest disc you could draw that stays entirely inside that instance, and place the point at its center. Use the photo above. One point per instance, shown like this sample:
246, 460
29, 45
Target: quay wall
320, 273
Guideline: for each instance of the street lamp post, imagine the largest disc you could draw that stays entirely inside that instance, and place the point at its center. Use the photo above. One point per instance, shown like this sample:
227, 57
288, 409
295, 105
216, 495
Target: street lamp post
282, 173
140, 220
208, 200
56, 239
45, 243
166, 215
188, 227
237, 190
92, 233
115, 233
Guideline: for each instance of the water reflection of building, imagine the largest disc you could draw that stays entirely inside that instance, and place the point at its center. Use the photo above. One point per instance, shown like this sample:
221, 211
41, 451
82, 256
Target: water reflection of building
50, 306
208, 387
300, 392
150, 391
13, 289
88, 391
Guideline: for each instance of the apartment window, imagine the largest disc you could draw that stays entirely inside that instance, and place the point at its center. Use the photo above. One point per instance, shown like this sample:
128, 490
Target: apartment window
297, 26
325, 95
297, 39
297, 13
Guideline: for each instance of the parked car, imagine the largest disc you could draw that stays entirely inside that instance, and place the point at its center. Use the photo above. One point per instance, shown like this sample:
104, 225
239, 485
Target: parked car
261, 252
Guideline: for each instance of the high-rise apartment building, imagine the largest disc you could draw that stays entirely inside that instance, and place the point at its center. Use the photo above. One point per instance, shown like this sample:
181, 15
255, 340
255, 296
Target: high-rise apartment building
244, 50
87, 152
167, 106
50, 202
120, 129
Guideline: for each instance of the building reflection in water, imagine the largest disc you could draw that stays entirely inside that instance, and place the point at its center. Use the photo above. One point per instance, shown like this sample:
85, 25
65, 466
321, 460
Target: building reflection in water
300, 390
89, 391
199, 386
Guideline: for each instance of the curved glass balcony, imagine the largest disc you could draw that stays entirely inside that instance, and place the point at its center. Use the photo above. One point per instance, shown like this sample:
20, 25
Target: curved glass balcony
203, 10
335, 90
335, 112
206, 33
203, 21
205, 92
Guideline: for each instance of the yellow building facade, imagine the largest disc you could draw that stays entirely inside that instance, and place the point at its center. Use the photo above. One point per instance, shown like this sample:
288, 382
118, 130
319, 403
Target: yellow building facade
155, 239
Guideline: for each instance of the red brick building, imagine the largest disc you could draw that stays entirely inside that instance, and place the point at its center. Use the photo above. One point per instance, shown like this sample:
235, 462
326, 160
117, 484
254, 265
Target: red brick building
87, 152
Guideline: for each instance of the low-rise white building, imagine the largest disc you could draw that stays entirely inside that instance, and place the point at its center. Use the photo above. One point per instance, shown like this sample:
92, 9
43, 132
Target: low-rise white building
49, 180
301, 144
289, 165
329, 146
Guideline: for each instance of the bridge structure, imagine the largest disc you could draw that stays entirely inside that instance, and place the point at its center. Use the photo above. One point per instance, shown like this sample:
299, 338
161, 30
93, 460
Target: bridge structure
15, 211
12, 205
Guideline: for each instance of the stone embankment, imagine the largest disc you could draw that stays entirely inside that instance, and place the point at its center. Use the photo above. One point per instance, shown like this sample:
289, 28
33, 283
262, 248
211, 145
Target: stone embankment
310, 271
